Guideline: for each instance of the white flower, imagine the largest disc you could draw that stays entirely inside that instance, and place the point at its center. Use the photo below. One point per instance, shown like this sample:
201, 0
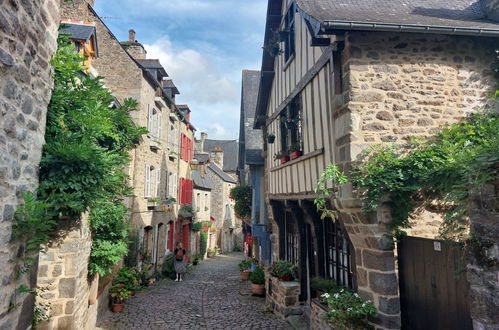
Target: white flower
349, 309
356, 295
336, 296
333, 310
325, 295
364, 305
342, 290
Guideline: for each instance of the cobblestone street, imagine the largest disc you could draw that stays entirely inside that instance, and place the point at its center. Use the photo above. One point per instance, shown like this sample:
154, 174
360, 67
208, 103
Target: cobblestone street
212, 296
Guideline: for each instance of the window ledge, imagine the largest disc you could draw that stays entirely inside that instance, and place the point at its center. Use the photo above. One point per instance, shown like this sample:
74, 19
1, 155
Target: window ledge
299, 159
288, 62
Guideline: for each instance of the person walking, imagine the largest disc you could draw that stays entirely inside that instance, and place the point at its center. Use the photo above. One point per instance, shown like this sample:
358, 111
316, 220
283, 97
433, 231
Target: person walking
179, 262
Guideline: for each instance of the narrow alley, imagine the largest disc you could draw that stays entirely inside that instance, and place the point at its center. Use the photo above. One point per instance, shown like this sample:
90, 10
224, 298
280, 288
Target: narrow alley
212, 296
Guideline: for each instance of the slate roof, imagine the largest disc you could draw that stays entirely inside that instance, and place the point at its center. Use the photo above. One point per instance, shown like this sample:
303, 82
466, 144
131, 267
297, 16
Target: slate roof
78, 31
428, 13
220, 173
202, 182
170, 84
250, 139
153, 64
202, 157
230, 149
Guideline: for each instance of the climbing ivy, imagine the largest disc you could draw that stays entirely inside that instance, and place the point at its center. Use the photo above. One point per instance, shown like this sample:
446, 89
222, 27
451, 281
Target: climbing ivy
334, 176
242, 197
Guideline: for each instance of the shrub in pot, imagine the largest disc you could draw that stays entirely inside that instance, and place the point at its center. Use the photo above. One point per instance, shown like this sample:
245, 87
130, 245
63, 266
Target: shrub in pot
283, 156
295, 151
245, 269
270, 138
257, 279
118, 295
283, 270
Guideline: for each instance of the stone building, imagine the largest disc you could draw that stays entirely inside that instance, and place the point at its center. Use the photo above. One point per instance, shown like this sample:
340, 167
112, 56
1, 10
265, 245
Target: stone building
28, 33
222, 170
76, 301
339, 78
251, 166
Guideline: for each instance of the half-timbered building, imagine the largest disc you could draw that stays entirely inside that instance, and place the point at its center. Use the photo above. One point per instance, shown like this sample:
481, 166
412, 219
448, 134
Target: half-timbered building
338, 76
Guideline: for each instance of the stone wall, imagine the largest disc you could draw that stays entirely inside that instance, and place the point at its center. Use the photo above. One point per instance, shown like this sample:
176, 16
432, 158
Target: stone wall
63, 272
282, 297
483, 274
317, 314
28, 32
411, 86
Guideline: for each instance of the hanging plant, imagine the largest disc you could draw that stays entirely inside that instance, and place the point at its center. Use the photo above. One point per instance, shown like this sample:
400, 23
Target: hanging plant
273, 47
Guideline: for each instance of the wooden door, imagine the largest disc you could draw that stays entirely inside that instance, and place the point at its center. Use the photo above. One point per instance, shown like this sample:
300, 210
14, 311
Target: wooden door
434, 292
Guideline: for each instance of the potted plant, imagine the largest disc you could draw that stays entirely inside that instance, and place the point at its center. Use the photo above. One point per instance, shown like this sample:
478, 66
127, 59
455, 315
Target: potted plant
270, 138
295, 151
245, 269
321, 285
283, 156
257, 279
195, 259
283, 270
347, 310
273, 46
119, 294
129, 278
212, 252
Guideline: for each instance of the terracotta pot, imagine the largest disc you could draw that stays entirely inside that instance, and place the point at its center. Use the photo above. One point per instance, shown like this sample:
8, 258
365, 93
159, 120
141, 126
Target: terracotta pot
118, 308
132, 293
258, 289
295, 154
245, 274
284, 159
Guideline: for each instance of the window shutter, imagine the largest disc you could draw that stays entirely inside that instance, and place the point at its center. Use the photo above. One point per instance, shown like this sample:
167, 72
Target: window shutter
160, 124
158, 183
175, 185
147, 184
149, 119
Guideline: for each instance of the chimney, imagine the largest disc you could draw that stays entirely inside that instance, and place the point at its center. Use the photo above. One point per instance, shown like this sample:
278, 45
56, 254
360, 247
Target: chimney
204, 136
217, 157
131, 35
492, 9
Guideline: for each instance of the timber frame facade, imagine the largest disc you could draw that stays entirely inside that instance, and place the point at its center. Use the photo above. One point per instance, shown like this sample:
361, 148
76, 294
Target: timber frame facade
327, 91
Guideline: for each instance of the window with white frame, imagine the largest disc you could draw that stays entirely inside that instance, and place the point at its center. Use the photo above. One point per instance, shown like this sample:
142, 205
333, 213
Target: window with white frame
148, 173
154, 122
158, 183
172, 185
172, 137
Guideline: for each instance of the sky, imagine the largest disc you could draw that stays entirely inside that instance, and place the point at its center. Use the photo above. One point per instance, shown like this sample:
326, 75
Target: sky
203, 44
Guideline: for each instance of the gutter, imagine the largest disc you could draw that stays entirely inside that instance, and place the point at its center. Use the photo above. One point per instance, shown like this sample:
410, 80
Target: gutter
331, 26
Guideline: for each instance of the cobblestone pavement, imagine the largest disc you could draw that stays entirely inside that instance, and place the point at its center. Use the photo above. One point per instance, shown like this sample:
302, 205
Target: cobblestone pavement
212, 296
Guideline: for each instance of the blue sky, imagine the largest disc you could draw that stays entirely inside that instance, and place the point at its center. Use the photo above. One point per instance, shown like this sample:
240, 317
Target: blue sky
203, 45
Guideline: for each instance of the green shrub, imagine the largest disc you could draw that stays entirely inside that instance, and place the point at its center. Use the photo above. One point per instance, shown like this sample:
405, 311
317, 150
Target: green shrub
203, 243
283, 270
257, 276
129, 277
245, 265
349, 310
168, 268
324, 284
242, 197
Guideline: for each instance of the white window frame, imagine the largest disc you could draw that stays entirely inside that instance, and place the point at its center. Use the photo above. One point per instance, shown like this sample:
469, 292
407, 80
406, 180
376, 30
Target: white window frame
157, 189
147, 181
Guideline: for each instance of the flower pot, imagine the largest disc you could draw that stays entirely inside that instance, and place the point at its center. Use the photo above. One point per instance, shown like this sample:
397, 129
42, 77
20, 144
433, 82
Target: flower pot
284, 159
132, 293
209, 254
271, 139
295, 154
118, 308
258, 289
245, 274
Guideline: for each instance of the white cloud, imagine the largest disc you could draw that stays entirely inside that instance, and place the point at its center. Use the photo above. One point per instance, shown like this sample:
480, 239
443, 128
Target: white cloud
211, 91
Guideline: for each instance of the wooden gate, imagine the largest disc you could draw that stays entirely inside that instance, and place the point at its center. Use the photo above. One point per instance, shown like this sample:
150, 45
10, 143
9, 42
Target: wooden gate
433, 286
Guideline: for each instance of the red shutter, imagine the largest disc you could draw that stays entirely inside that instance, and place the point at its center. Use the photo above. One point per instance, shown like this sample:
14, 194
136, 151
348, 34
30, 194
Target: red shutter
189, 198
182, 153
182, 189
170, 236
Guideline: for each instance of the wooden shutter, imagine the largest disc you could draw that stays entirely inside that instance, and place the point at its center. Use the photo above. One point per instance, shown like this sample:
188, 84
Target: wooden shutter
149, 120
147, 181
158, 182
160, 124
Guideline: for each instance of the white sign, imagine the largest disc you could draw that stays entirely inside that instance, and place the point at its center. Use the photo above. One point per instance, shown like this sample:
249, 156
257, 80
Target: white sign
437, 246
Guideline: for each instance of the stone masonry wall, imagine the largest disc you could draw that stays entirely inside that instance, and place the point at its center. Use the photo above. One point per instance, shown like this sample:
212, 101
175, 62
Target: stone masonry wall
282, 297
411, 86
483, 275
63, 272
317, 314
28, 32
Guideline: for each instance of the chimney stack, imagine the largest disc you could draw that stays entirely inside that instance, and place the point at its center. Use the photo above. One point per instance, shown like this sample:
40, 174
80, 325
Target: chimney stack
131, 35
204, 136
217, 157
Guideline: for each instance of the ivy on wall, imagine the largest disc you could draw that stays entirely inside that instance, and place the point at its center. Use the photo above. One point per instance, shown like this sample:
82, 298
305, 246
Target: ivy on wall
86, 150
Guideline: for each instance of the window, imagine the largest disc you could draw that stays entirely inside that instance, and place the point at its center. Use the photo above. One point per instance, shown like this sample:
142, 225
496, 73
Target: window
185, 191
198, 201
289, 27
292, 240
149, 180
172, 137
187, 152
172, 185
154, 122
291, 122
158, 183
338, 258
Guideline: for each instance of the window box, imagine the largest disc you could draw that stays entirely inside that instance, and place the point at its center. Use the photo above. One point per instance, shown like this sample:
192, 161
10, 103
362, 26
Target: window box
295, 154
